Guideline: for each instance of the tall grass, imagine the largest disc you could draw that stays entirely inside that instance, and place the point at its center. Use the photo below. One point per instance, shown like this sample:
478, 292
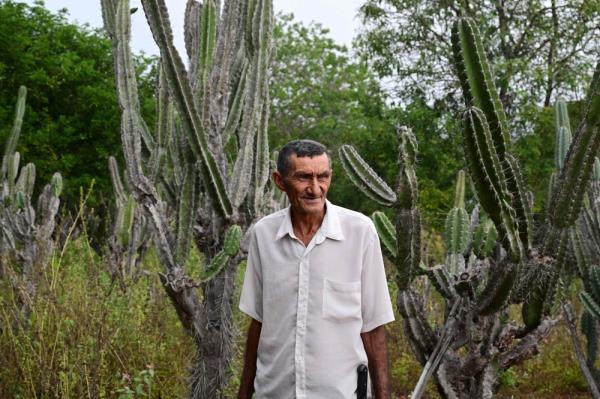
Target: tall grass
91, 337
87, 337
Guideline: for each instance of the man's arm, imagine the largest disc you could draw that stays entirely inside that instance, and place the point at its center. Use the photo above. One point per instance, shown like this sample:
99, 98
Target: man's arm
247, 383
375, 347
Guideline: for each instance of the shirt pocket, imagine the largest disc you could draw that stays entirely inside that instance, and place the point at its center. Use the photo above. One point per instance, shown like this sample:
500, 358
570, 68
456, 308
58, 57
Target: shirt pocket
341, 301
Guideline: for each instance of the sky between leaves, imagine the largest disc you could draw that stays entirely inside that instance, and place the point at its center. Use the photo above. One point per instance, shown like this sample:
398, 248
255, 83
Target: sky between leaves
337, 15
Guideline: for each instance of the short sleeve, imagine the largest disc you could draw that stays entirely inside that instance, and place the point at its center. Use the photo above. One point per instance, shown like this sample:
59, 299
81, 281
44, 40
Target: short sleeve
251, 297
376, 304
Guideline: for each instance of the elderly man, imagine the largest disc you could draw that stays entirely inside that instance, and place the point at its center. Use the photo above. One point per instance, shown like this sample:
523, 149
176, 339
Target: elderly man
315, 289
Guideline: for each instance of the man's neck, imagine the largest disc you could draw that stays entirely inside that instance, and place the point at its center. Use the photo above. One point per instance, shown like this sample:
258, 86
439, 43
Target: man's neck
306, 224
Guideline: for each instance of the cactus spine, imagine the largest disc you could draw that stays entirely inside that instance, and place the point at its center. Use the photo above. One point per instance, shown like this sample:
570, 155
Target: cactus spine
200, 196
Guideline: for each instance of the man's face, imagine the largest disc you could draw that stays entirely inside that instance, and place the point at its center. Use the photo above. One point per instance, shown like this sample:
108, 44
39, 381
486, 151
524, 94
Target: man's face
307, 183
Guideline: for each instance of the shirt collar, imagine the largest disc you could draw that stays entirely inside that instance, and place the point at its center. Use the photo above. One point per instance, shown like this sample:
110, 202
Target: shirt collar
330, 228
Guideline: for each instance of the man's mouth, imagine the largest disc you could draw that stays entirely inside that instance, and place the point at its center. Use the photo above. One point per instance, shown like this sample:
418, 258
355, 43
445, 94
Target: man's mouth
311, 199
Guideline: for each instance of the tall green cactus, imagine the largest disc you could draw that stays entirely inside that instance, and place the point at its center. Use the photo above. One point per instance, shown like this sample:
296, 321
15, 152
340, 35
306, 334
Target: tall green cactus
26, 242
480, 273
189, 190
567, 200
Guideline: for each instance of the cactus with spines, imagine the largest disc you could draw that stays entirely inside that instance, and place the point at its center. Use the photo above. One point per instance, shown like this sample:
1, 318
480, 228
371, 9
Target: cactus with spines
130, 236
484, 238
500, 263
585, 244
26, 242
200, 176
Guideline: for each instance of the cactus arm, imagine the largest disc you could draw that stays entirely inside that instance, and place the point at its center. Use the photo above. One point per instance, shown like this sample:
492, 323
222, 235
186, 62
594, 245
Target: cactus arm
109, 11
162, 125
441, 280
590, 304
457, 231
186, 209
408, 223
495, 294
589, 328
479, 89
582, 255
484, 239
125, 224
567, 199
191, 30
12, 170
365, 178
229, 56
13, 138
386, 232
156, 13
26, 181
261, 158
235, 111
208, 39
459, 190
520, 203
116, 180
256, 93
231, 245
563, 133
490, 181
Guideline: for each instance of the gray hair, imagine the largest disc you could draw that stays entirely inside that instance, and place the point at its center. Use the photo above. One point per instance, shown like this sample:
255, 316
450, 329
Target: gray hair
302, 148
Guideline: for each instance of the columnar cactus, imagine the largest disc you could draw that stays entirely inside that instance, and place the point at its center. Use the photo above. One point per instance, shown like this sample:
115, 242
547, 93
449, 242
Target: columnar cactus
190, 187
26, 242
478, 277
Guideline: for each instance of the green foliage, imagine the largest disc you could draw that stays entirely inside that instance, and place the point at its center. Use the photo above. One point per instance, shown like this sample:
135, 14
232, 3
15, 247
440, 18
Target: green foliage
71, 121
320, 92
538, 48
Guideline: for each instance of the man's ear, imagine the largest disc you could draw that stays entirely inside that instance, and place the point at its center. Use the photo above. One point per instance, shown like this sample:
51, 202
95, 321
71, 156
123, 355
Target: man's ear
278, 179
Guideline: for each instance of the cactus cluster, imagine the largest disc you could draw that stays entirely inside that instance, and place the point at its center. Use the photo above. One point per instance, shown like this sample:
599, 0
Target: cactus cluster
491, 258
25, 231
200, 177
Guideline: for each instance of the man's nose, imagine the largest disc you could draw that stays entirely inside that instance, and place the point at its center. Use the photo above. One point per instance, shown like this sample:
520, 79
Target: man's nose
314, 185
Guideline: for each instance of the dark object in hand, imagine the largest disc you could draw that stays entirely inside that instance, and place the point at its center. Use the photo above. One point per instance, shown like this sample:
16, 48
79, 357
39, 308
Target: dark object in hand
361, 387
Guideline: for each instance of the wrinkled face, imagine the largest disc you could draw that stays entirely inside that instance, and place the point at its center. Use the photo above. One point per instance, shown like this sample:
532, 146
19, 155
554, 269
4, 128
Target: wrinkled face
306, 184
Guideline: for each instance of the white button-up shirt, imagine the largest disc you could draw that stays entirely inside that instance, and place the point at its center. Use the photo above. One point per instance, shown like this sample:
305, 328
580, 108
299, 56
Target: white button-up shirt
313, 302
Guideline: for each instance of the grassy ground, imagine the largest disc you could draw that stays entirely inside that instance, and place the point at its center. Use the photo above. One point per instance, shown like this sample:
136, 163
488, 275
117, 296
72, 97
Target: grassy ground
89, 337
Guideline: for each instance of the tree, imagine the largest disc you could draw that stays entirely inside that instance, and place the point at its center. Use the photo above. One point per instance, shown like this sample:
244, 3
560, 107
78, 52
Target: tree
320, 92
72, 122
540, 49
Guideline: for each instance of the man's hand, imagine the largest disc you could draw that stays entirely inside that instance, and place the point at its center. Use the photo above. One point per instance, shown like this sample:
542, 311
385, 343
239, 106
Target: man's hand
375, 346
247, 383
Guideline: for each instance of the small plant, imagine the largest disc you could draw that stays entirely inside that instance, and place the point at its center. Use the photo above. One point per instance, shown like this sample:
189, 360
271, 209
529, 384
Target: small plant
138, 387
